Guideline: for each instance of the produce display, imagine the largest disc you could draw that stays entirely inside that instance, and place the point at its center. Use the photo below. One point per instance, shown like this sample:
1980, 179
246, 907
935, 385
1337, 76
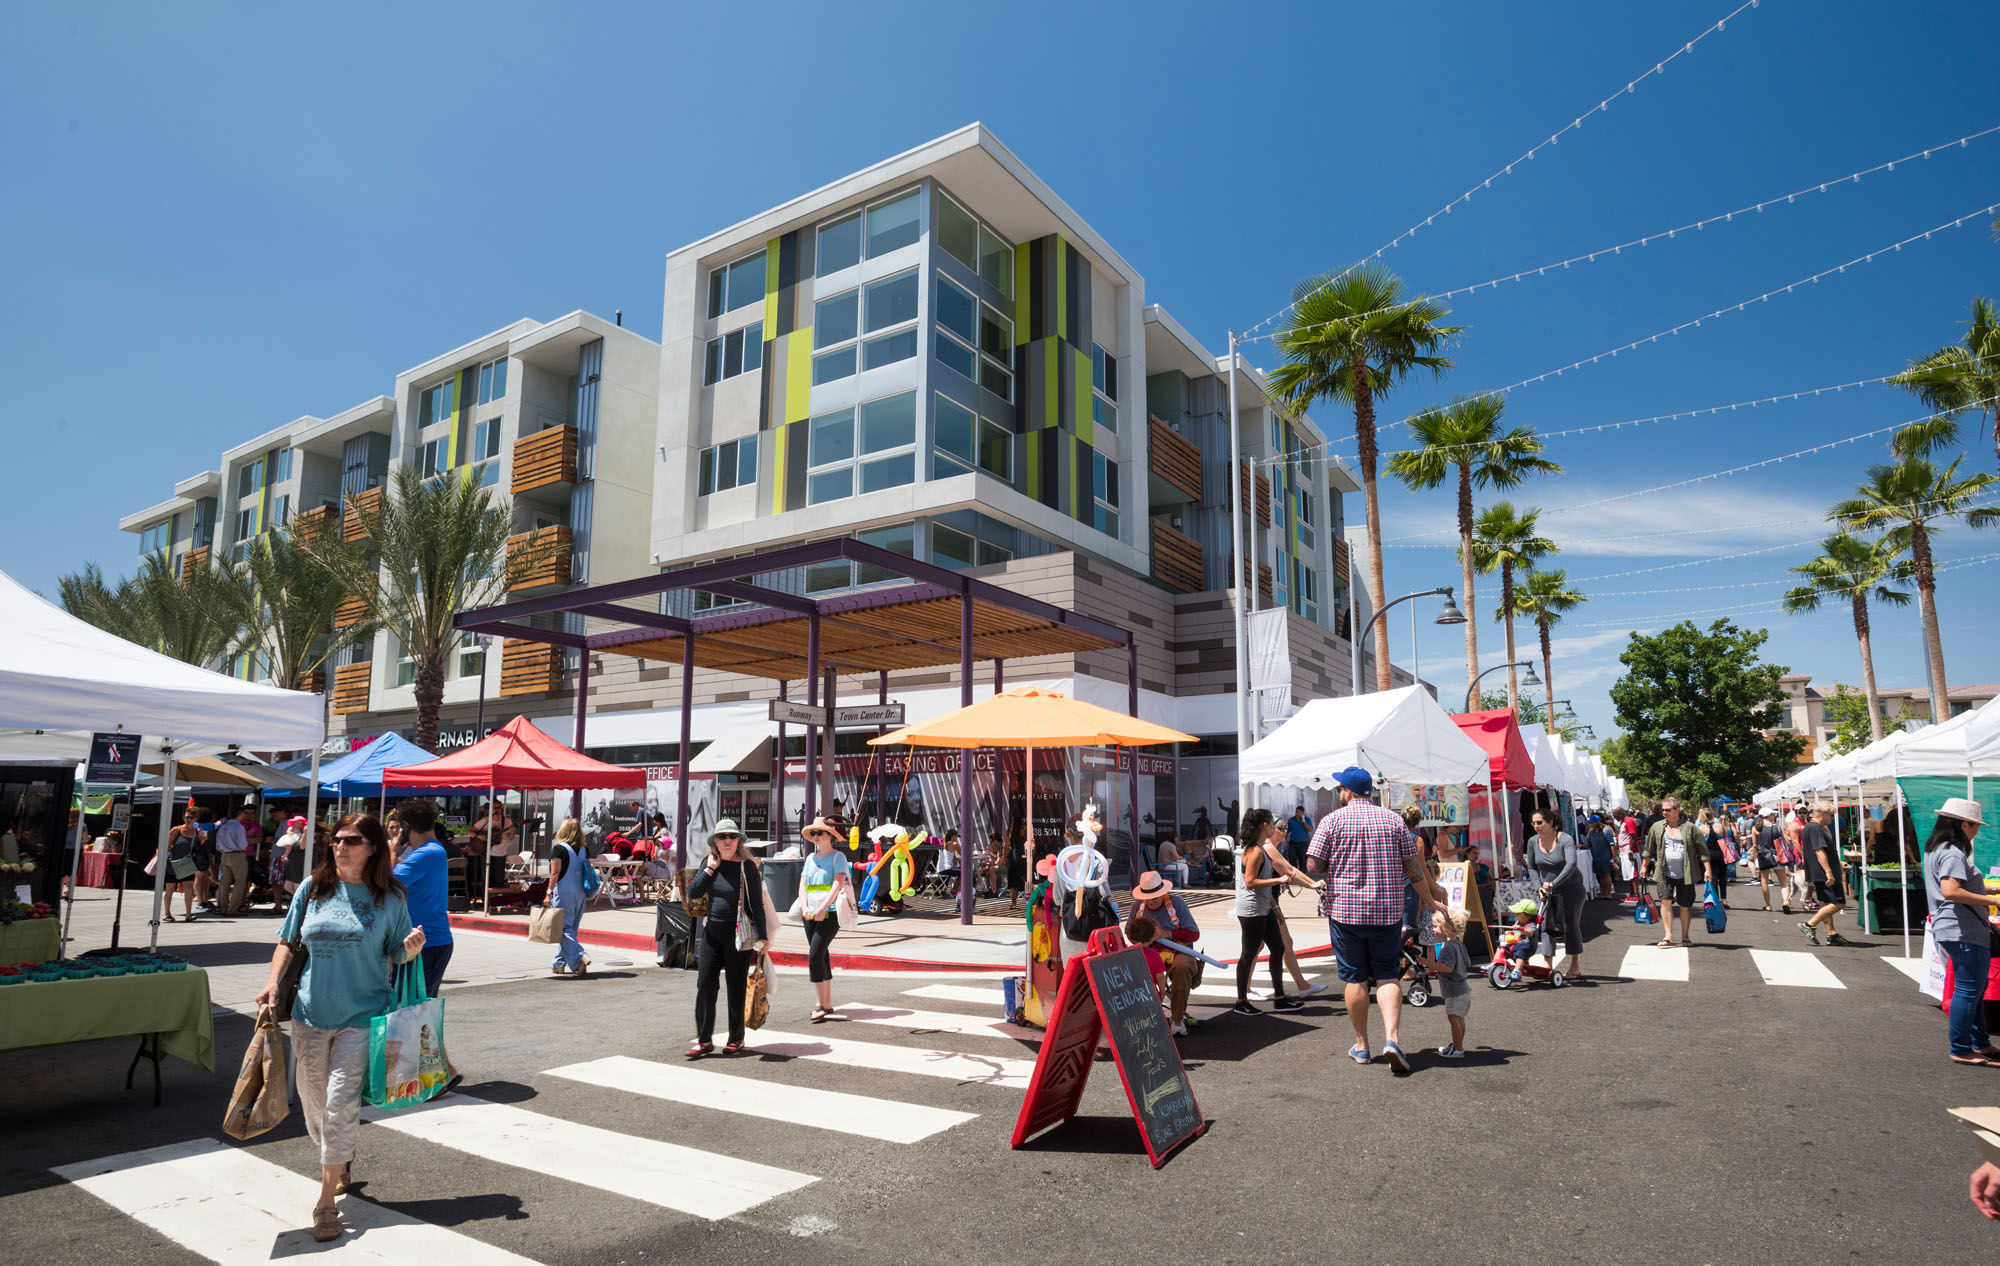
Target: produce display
12, 911
132, 964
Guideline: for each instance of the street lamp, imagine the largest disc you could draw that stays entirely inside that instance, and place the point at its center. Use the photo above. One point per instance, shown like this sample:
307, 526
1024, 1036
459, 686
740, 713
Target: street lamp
1528, 680
479, 726
1447, 614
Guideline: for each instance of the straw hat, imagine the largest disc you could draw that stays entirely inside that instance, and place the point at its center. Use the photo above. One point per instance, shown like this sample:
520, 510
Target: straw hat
818, 826
1962, 809
1152, 886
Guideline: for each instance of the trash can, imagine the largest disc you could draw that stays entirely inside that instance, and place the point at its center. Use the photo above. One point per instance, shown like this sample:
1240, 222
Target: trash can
781, 880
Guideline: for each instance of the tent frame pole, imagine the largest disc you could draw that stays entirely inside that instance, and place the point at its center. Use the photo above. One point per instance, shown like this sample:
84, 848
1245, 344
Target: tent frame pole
965, 901
687, 741
1903, 868
166, 825
76, 860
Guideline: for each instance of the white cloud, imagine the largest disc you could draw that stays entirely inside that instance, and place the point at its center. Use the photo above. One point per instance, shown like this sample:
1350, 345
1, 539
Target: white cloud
1730, 521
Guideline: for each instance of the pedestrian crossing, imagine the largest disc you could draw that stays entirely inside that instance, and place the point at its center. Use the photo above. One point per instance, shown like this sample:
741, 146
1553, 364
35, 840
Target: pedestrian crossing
994, 996
1793, 969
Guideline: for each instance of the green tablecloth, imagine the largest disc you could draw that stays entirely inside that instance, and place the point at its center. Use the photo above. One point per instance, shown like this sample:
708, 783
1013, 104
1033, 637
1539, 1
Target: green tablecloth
172, 1004
29, 941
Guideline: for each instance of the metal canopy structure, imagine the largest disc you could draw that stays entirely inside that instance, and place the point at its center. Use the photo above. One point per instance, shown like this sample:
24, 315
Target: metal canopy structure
760, 621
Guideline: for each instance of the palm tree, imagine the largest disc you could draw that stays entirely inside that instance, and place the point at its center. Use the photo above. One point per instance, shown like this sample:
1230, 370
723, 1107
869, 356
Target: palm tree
189, 619
1545, 596
1855, 570
1961, 378
1350, 338
439, 547
1466, 434
1910, 499
289, 596
1504, 540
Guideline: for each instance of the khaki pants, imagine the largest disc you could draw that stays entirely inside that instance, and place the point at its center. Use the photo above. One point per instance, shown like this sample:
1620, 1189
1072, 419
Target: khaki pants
332, 1065
1180, 979
234, 868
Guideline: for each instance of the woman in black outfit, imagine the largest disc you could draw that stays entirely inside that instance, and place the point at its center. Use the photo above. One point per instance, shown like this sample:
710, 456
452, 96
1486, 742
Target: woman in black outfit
735, 890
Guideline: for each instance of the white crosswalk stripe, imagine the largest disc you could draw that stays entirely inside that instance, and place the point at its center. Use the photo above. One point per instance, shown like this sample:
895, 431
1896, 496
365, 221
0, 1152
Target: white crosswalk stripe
1794, 967
684, 1179
890, 1120
230, 1207
993, 997
986, 1070
1911, 967
1654, 962
928, 1022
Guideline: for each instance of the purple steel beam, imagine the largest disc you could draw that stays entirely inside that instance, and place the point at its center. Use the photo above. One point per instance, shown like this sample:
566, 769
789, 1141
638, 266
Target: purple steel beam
778, 776
687, 741
582, 708
524, 633
812, 731
965, 762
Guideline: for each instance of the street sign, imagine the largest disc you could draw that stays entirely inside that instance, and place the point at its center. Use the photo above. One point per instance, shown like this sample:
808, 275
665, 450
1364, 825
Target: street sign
114, 760
858, 716
785, 712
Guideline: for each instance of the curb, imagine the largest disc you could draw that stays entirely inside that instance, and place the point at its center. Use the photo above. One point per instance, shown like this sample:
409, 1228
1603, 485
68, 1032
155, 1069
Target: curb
782, 958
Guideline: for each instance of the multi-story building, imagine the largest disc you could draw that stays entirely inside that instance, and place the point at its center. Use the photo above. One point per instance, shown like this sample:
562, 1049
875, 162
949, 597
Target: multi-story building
1805, 708
181, 528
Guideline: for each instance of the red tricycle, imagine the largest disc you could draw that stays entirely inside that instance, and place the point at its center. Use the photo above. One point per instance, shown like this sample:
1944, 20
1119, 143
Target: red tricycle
1519, 944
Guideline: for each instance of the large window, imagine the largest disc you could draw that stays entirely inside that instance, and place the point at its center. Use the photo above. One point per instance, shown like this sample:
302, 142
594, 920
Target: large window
250, 478
281, 466
434, 458
828, 577
1306, 586
839, 245
244, 518
1104, 388
867, 328
975, 339
736, 285
485, 440
434, 403
727, 466
959, 550
156, 539
1308, 537
493, 380
974, 245
864, 449
892, 223
737, 352
1104, 493
965, 441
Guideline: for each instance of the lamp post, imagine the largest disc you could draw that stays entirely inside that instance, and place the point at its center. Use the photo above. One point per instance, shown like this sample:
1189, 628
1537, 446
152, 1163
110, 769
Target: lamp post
1447, 614
479, 726
1528, 679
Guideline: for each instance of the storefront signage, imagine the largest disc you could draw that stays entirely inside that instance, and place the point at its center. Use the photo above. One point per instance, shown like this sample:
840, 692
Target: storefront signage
465, 736
114, 760
891, 764
853, 717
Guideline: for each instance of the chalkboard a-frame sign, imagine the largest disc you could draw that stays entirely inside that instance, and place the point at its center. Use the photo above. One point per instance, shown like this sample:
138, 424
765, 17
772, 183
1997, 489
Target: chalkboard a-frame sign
1107, 991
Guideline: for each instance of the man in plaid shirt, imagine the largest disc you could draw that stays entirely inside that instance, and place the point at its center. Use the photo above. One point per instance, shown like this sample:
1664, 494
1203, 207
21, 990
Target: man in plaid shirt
1367, 856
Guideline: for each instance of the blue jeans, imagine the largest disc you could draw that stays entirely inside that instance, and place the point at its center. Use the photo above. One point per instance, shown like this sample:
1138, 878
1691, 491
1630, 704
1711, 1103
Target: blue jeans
434, 959
1969, 966
570, 952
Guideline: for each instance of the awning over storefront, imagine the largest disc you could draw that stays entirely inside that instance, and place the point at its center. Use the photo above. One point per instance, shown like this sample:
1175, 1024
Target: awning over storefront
734, 754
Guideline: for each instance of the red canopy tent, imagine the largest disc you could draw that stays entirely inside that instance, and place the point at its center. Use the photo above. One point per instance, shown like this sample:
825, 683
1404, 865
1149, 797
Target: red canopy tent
1498, 734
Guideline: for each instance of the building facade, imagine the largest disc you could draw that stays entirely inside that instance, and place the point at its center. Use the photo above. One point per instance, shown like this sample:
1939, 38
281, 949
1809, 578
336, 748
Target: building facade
1805, 709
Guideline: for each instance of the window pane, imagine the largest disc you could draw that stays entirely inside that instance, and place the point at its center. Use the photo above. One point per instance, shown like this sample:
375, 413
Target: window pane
732, 354
1106, 520
996, 451
834, 320
707, 483
839, 245
897, 540
718, 282
746, 460
889, 472
1104, 413
890, 423
955, 354
956, 310
1110, 481
954, 428
830, 486
892, 224
892, 301
746, 282
1097, 475
499, 378
712, 372
996, 262
989, 554
957, 232
833, 438
1097, 367
996, 335
753, 347
950, 547
725, 466
821, 577
833, 366
996, 380
889, 349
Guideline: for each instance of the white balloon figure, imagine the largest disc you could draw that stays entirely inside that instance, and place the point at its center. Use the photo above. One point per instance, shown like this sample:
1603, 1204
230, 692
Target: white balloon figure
1090, 826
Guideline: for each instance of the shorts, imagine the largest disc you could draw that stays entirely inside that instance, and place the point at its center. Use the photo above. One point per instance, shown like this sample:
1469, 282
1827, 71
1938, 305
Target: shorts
1830, 894
1673, 894
1458, 1004
1367, 953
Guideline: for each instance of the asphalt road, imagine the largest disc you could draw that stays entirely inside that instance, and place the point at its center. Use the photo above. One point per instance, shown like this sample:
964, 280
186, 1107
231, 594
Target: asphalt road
1717, 1120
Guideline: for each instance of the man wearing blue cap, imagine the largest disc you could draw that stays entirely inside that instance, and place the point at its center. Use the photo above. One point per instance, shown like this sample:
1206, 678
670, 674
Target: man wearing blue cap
1368, 856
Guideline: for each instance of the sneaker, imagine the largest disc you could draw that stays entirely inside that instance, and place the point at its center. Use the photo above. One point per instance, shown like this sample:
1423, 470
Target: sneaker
1180, 1028
1812, 933
1836, 938
1448, 1051
1288, 1004
1399, 1064
1311, 989
1244, 1008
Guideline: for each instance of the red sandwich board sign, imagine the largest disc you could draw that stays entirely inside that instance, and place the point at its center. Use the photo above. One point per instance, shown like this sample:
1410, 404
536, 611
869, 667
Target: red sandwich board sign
1106, 991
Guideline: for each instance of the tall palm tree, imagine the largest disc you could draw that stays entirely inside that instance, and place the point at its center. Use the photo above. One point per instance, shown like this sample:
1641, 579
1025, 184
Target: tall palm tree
1854, 570
1961, 378
192, 620
1909, 500
1465, 435
289, 596
438, 546
1504, 540
1546, 596
1351, 338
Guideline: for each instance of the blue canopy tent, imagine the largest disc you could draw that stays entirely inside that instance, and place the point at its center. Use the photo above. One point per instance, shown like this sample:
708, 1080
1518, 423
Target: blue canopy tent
360, 773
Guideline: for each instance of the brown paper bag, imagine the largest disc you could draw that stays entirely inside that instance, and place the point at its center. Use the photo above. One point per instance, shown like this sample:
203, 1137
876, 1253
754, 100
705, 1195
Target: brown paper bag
756, 995
545, 925
259, 1101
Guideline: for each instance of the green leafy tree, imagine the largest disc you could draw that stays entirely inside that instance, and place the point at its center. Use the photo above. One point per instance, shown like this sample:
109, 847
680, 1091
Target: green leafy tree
1544, 598
1952, 381
437, 547
1504, 540
1909, 501
1351, 338
191, 619
288, 595
1702, 715
1852, 570
1530, 714
1855, 720
1464, 437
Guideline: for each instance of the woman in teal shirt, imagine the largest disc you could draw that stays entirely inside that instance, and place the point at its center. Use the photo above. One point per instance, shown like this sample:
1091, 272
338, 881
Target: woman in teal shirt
354, 921
825, 875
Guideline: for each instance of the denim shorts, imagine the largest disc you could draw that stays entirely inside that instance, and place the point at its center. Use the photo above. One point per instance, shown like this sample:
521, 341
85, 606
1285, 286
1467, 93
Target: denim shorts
1367, 953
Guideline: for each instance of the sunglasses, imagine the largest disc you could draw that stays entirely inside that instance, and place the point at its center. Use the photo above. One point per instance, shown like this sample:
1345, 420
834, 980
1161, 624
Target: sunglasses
728, 837
351, 841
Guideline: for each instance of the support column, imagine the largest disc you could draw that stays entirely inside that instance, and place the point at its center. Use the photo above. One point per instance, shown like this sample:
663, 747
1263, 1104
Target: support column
965, 761
811, 800
999, 676
1135, 858
582, 704
687, 741
875, 753
830, 758
778, 822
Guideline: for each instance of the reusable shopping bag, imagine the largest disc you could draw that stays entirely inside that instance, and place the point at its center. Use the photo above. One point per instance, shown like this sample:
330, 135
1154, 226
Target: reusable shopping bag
1712, 911
1932, 984
1648, 909
591, 879
406, 1060
259, 1101
545, 925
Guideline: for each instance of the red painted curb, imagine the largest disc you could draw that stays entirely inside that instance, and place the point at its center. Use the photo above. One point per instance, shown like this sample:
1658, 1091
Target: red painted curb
782, 958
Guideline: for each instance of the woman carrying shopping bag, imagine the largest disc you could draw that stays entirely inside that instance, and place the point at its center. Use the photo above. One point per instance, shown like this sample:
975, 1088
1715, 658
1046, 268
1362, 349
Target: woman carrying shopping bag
732, 934
567, 893
826, 880
355, 918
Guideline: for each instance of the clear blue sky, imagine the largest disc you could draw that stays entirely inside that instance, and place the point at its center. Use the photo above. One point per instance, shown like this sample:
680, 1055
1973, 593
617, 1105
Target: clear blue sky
219, 218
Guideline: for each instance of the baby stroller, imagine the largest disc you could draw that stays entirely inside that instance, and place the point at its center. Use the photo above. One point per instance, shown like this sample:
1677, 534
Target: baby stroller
1528, 937
1416, 976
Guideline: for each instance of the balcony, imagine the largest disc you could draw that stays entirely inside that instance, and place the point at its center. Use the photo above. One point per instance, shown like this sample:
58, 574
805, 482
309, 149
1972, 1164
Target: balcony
1263, 583
350, 612
1176, 559
1176, 465
351, 528
312, 683
1341, 561
350, 687
306, 522
550, 548
546, 459
191, 562
1263, 495
529, 668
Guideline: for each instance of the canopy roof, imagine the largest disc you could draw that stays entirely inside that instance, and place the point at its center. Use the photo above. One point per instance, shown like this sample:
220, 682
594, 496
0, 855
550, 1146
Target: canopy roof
1029, 716
59, 673
517, 756
359, 773
1549, 768
1498, 733
1400, 734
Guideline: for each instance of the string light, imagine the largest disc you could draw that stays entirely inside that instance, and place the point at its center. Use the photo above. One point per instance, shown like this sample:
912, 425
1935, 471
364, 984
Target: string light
1527, 156
1771, 606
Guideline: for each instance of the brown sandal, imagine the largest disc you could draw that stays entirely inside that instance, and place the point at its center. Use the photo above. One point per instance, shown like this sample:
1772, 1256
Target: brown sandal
346, 1180
326, 1224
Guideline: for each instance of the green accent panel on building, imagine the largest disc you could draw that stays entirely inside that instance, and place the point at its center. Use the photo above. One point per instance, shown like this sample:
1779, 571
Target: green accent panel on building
798, 375
1031, 463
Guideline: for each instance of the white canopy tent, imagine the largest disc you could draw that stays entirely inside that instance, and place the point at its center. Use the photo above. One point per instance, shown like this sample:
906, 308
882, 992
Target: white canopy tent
1549, 768
59, 673
1399, 734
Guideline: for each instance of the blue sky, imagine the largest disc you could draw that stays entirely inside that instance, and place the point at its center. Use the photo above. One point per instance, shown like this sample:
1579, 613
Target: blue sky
221, 217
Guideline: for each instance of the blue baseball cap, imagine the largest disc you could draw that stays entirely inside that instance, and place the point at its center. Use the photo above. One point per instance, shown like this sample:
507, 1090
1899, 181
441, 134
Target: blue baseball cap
1356, 780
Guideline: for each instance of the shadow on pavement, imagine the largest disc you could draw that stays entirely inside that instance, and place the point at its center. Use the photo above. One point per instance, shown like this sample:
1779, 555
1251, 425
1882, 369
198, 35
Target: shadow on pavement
1096, 1136
496, 1091
455, 1211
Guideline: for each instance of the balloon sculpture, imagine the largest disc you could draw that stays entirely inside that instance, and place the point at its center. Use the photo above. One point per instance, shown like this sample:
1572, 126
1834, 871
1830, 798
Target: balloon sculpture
902, 870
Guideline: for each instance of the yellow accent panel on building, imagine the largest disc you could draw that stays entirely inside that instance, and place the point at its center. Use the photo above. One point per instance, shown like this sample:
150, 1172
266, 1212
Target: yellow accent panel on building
798, 375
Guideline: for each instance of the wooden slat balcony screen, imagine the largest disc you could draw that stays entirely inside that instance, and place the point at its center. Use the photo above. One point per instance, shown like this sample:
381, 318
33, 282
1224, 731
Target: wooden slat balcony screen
1340, 559
350, 524
553, 565
350, 612
350, 687
1176, 459
312, 682
193, 561
1263, 496
1263, 583
1176, 559
529, 668
305, 520
544, 459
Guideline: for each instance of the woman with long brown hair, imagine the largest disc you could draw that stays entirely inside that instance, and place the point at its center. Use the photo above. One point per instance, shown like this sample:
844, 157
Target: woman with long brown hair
354, 920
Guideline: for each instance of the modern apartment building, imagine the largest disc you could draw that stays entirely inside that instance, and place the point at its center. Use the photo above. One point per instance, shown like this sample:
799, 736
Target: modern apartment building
1805, 708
